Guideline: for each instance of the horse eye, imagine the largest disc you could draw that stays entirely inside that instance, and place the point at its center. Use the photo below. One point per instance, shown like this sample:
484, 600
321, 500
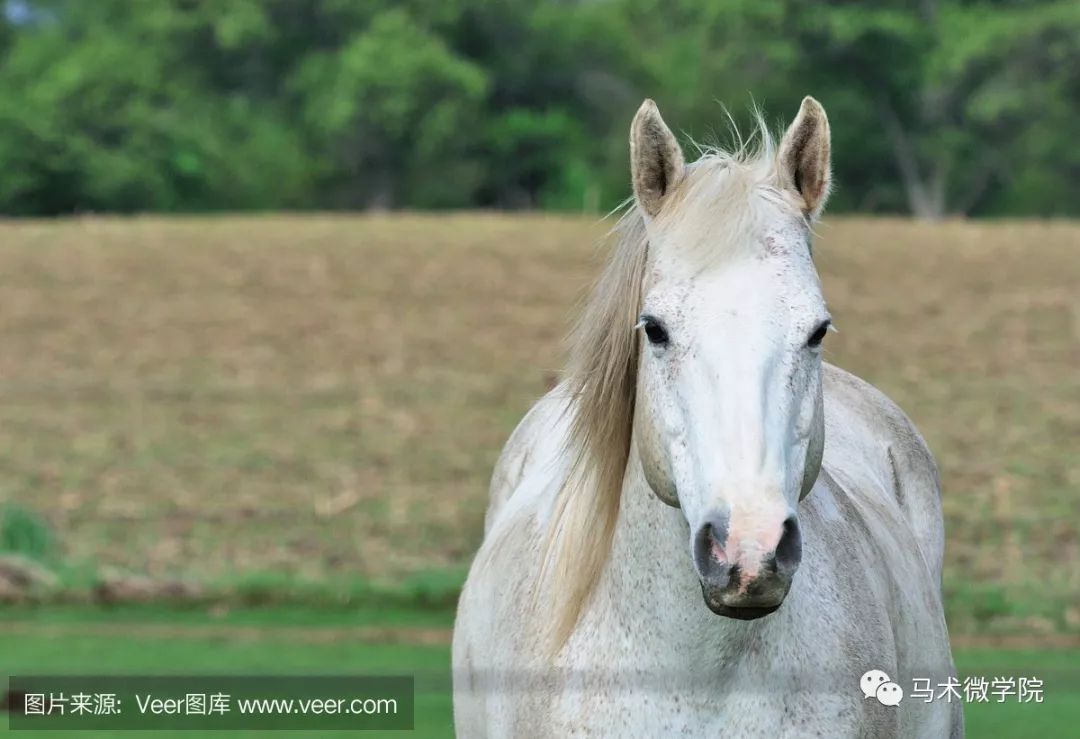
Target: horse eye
818, 336
656, 333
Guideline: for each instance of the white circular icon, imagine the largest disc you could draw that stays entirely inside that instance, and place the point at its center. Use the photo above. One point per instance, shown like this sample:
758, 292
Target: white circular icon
890, 694
871, 681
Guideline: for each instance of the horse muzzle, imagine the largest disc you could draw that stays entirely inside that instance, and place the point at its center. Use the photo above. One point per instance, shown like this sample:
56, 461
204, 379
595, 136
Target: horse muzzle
750, 578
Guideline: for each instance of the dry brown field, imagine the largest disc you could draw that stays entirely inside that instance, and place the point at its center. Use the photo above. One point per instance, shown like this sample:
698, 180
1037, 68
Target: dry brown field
325, 396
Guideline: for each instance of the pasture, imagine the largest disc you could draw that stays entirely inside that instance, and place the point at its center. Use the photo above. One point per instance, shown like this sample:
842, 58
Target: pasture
305, 410
291, 641
315, 403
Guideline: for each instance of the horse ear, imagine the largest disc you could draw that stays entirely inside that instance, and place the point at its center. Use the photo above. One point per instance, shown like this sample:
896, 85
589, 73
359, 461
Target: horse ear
804, 157
656, 161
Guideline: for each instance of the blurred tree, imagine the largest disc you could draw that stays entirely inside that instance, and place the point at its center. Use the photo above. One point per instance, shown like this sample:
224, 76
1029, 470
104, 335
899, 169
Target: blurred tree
399, 110
954, 86
94, 119
939, 106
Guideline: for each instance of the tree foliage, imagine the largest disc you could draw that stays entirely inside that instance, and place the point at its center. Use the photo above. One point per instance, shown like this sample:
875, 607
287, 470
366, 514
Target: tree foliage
939, 107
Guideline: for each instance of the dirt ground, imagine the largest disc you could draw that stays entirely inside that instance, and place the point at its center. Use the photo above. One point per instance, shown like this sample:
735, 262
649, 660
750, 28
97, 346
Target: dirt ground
326, 395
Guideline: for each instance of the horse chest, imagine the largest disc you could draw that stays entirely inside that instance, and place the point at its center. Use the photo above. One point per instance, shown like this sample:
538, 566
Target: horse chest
737, 713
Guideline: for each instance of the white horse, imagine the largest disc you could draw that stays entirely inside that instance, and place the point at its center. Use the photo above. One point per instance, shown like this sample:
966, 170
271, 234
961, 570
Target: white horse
705, 530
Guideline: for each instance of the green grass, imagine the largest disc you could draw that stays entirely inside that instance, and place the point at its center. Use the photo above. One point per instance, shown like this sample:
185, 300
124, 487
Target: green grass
254, 641
243, 652
25, 533
1057, 716
434, 590
299, 616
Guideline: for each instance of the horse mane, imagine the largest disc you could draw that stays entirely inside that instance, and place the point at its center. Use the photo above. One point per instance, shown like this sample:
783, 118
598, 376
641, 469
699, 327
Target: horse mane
601, 378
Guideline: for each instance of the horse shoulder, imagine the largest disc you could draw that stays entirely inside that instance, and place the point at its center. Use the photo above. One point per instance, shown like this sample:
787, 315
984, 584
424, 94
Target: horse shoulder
861, 421
535, 441
494, 638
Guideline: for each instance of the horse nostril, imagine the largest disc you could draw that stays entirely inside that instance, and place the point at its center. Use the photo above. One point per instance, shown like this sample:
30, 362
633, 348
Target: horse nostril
709, 542
789, 548
715, 540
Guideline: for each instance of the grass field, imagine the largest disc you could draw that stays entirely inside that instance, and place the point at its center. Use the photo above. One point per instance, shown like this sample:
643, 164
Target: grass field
150, 641
319, 400
302, 412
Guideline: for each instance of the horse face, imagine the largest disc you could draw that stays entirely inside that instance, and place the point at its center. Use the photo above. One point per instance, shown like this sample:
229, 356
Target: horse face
729, 421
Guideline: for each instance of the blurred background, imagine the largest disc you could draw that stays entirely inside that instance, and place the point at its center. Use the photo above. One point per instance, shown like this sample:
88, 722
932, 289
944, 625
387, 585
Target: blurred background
946, 107
279, 277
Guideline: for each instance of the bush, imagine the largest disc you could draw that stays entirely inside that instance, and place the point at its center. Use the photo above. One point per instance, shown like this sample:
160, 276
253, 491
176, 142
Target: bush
25, 533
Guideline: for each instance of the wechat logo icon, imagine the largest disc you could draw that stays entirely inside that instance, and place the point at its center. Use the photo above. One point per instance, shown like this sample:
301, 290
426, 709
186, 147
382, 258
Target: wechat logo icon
876, 684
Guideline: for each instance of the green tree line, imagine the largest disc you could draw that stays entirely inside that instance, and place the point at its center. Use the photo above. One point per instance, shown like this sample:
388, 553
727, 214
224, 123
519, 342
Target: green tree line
938, 107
